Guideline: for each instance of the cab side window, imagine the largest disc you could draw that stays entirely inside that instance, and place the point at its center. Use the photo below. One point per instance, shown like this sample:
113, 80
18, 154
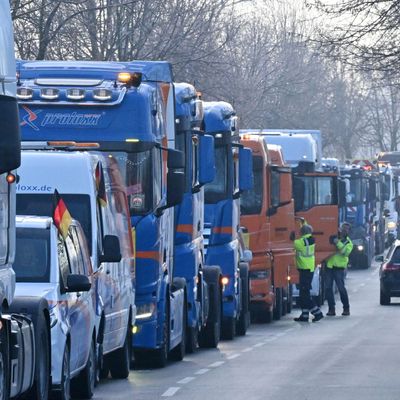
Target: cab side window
63, 261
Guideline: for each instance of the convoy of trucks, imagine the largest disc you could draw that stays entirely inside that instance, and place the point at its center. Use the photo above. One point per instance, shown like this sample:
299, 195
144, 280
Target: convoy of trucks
175, 228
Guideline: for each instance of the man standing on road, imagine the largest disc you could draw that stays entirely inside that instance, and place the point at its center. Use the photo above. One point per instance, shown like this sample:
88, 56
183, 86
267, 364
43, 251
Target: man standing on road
336, 270
305, 263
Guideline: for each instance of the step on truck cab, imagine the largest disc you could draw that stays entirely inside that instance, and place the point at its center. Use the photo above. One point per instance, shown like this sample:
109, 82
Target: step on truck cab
24, 321
58, 268
267, 214
101, 209
222, 213
203, 283
128, 108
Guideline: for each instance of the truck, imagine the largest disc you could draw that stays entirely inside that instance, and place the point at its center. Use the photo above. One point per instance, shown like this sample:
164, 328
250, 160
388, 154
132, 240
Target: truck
203, 282
267, 214
24, 320
359, 212
128, 109
222, 215
315, 192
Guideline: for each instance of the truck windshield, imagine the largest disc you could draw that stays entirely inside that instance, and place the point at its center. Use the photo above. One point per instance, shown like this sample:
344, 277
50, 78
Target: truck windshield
42, 205
32, 255
251, 200
217, 189
136, 171
310, 191
356, 195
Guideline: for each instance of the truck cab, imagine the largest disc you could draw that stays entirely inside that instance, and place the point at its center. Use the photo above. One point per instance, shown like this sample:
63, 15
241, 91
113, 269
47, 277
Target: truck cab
222, 212
267, 214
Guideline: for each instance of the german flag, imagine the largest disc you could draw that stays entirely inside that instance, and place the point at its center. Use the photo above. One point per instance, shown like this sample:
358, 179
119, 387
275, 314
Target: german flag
61, 216
100, 185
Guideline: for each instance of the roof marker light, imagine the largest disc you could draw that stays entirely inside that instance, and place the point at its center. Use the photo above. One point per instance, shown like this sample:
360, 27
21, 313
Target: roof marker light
75, 94
49, 94
24, 93
11, 178
132, 140
102, 94
87, 145
130, 78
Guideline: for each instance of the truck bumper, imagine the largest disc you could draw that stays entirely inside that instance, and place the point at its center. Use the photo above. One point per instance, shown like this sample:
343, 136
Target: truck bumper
145, 336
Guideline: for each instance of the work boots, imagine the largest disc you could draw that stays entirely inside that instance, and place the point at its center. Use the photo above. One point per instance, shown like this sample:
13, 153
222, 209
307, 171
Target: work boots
303, 317
316, 311
346, 311
331, 312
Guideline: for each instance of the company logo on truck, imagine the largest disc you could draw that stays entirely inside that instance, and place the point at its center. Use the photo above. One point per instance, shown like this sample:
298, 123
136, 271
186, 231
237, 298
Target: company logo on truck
59, 119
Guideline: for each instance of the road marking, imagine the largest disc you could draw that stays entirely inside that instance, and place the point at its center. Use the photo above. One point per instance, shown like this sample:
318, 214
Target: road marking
170, 392
363, 284
201, 371
233, 356
246, 350
216, 364
186, 380
259, 345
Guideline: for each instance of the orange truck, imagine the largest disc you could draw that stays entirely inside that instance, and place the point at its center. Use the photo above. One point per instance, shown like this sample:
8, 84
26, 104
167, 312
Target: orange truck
267, 218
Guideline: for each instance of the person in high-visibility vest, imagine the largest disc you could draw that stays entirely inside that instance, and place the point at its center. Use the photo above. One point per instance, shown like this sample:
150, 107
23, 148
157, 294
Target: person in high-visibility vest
305, 263
336, 270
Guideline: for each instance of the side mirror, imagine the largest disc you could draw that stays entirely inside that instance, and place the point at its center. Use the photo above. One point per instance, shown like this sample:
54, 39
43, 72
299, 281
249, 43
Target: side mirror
206, 159
247, 256
78, 283
379, 258
245, 169
176, 159
111, 249
10, 140
175, 187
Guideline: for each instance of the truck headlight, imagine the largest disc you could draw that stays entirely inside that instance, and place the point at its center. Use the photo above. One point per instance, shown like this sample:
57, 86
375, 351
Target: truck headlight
391, 225
145, 311
360, 247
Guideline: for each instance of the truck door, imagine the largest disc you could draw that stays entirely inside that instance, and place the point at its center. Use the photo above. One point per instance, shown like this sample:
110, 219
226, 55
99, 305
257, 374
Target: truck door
316, 200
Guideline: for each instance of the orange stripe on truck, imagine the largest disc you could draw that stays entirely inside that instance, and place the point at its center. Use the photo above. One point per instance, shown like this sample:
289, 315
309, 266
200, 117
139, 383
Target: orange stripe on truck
152, 255
227, 230
184, 228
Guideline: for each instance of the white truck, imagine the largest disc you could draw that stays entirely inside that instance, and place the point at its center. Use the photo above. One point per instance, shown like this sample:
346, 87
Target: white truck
24, 321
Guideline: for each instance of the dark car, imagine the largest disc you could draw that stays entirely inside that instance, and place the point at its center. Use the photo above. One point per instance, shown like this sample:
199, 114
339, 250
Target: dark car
389, 274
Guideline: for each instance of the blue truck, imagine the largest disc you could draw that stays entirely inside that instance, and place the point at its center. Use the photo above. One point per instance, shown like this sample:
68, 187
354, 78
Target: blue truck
222, 212
203, 283
128, 110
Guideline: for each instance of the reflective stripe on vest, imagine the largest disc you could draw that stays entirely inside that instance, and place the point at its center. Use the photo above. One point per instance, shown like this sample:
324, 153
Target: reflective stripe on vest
308, 253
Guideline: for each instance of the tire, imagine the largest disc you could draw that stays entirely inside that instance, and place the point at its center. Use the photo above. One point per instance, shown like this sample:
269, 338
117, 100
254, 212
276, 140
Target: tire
82, 387
244, 319
119, 360
192, 339
228, 331
4, 362
65, 392
261, 313
41, 385
278, 304
210, 333
384, 298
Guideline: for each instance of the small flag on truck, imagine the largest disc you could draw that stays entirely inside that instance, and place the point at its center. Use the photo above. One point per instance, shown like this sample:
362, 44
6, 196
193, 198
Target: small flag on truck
61, 216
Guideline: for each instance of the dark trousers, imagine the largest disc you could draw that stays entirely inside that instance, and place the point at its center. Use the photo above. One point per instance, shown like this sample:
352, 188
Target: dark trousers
306, 301
336, 275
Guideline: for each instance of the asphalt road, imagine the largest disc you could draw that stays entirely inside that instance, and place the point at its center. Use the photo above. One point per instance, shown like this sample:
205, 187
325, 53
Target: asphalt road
354, 357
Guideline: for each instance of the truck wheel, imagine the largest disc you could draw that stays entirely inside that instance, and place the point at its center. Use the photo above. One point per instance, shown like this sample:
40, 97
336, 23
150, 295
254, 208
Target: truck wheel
82, 387
65, 392
210, 333
192, 339
119, 360
40, 388
278, 304
244, 319
228, 330
4, 363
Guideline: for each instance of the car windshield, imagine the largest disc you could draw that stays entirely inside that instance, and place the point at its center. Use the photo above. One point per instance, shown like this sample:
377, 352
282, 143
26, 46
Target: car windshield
43, 205
32, 255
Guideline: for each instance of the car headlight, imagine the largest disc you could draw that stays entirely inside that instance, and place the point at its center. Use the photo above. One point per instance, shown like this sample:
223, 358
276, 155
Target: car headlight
145, 311
391, 225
